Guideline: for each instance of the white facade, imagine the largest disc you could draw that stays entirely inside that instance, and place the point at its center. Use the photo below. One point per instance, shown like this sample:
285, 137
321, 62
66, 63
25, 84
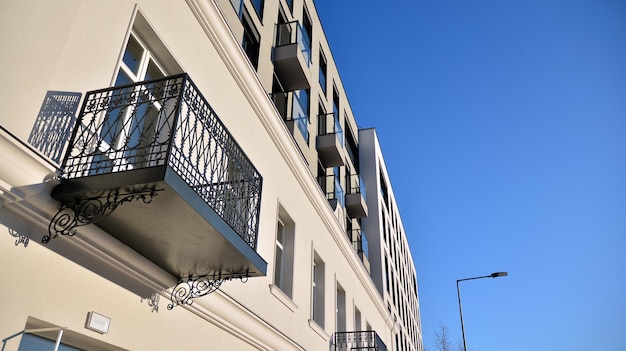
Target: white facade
393, 269
309, 281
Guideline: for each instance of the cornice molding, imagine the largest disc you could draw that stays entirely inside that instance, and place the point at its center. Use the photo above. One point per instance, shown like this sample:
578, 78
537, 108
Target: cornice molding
213, 23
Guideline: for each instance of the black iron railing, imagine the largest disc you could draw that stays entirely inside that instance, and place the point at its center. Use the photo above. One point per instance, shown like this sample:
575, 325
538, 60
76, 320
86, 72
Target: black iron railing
358, 340
167, 122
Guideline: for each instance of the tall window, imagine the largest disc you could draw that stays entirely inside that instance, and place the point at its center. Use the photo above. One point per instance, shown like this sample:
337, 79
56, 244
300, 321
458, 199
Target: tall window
137, 65
131, 127
323, 69
258, 7
317, 285
307, 26
283, 263
251, 40
357, 319
340, 310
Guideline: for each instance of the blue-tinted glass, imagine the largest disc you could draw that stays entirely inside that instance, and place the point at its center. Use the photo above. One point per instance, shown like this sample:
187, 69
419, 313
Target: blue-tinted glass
237, 5
300, 112
31, 342
133, 54
339, 193
153, 71
122, 79
364, 245
323, 78
258, 7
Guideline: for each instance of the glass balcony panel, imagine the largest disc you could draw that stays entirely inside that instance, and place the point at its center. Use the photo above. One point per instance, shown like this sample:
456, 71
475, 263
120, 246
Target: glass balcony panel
300, 112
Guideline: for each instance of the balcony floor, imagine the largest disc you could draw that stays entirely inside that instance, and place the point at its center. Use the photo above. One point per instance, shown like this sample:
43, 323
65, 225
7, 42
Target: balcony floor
177, 230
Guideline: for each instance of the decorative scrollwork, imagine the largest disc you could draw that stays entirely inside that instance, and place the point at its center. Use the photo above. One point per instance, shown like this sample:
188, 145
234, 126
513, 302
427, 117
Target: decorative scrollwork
21, 239
153, 301
189, 288
89, 210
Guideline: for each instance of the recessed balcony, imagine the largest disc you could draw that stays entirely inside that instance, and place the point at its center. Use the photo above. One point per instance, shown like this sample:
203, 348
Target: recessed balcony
330, 141
357, 340
152, 164
293, 107
356, 206
331, 187
361, 246
292, 56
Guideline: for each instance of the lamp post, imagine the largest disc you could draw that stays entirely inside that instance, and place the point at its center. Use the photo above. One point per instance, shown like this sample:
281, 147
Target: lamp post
458, 292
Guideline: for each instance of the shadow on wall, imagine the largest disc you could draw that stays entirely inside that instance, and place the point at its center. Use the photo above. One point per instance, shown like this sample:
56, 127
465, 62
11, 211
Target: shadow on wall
54, 123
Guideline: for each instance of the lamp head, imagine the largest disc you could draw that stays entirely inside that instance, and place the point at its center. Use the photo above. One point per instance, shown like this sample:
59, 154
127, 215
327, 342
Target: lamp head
499, 274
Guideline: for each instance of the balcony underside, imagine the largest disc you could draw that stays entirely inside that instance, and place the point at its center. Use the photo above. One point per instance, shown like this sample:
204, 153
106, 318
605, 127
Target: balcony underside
291, 67
355, 205
329, 150
176, 230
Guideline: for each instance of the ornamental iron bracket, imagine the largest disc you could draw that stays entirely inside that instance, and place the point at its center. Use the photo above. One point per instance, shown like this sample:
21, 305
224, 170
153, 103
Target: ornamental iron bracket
21, 239
153, 301
89, 210
192, 287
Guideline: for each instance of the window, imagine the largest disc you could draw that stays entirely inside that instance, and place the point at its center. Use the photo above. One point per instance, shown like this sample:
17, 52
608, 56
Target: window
238, 6
251, 40
340, 309
138, 65
317, 285
323, 69
300, 112
387, 275
258, 7
357, 319
283, 262
130, 128
30, 342
335, 102
308, 27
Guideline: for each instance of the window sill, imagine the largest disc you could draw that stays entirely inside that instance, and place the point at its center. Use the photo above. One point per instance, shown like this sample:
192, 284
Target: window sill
319, 330
282, 297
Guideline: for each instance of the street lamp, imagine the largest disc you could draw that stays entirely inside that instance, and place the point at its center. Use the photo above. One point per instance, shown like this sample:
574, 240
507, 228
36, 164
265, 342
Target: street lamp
458, 292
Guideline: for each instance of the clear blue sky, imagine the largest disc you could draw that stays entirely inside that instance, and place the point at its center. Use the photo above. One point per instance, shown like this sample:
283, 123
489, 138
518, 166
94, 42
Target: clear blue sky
503, 126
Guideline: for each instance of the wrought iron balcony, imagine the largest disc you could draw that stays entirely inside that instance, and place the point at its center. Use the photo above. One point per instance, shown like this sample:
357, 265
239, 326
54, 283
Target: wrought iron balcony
292, 56
189, 196
358, 340
356, 206
330, 140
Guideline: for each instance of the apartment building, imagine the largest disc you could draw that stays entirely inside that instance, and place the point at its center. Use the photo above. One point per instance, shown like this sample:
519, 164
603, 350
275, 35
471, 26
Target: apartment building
189, 175
393, 269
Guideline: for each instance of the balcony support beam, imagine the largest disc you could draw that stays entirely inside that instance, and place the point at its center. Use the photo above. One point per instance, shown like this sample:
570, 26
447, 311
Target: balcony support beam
89, 210
189, 288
